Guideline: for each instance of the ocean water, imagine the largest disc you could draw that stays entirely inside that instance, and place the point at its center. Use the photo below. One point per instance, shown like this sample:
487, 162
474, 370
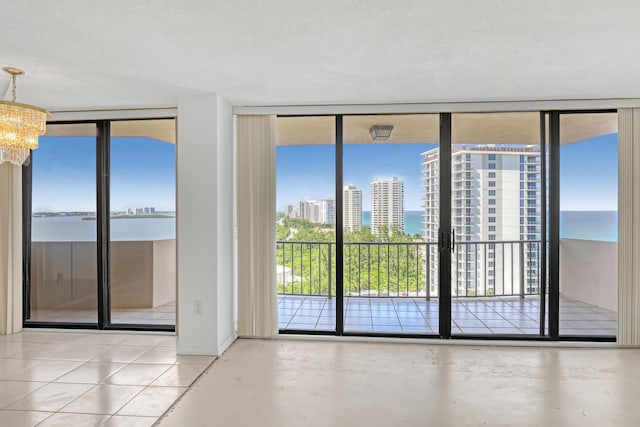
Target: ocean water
412, 221
74, 228
585, 225
589, 225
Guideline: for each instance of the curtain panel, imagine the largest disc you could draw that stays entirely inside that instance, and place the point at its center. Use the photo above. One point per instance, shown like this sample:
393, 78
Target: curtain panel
256, 222
629, 226
10, 249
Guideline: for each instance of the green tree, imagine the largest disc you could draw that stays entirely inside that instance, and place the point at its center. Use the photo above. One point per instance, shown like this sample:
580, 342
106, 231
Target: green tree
388, 264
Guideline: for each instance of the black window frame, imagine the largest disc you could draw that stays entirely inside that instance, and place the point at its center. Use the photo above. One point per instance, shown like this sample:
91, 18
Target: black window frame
103, 154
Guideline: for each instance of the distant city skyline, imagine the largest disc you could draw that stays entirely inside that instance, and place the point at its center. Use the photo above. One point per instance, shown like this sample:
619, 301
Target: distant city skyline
307, 172
589, 172
323, 211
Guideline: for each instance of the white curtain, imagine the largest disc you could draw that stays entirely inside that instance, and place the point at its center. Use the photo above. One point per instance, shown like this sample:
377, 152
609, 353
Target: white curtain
10, 249
256, 217
629, 226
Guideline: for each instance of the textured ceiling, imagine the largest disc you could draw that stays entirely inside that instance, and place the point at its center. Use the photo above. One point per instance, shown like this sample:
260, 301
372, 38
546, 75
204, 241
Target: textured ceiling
121, 53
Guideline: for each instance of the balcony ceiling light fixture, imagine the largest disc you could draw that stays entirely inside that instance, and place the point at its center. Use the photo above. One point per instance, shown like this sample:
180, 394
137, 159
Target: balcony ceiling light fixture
20, 125
380, 132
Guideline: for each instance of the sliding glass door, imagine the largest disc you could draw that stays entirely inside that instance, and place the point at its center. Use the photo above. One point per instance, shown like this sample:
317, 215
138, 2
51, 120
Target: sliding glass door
77, 273
306, 256
449, 225
497, 215
142, 224
588, 233
390, 208
63, 280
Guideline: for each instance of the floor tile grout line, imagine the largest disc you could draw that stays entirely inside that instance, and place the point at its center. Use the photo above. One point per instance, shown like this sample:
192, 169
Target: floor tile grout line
185, 391
99, 383
427, 326
297, 309
141, 385
51, 415
144, 387
92, 388
6, 408
320, 314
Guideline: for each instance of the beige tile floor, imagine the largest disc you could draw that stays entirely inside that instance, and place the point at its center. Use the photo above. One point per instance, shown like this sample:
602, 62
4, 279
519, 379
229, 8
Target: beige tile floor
329, 383
82, 378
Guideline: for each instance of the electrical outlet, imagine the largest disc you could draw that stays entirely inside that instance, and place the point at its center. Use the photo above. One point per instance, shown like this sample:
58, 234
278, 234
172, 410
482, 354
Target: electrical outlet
197, 307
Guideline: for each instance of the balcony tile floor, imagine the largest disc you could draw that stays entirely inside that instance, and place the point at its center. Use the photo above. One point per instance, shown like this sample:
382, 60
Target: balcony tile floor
162, 315
90, 379
477, 316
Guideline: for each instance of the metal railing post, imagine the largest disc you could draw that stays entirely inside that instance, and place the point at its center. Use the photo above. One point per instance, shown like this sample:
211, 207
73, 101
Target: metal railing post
375, 261
428, 267
521, 269
330, 272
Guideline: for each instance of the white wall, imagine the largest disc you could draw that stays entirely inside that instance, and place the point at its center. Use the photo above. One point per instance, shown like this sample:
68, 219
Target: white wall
205, 225
589, 272
226, 284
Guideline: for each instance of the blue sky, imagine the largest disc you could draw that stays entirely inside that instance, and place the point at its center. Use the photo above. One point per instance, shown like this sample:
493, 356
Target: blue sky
307, 172
588, 176
142, 174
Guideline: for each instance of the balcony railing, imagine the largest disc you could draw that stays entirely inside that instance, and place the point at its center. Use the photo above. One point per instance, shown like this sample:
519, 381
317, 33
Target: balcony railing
409, 269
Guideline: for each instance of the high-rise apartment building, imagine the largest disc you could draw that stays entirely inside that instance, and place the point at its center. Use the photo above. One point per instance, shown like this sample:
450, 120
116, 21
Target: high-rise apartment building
495, 198
323, 211
290, 212
387, 205
352, 208
309, 210
328, 211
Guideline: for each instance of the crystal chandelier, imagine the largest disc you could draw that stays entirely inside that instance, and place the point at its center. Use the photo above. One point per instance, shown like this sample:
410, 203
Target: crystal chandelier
20, 125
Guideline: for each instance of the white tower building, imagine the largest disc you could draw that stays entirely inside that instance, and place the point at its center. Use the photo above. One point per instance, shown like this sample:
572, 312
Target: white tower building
352, 208
495, 194
387, 204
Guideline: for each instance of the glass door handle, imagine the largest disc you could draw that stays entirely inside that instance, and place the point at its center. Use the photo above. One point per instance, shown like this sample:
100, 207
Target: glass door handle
453, 240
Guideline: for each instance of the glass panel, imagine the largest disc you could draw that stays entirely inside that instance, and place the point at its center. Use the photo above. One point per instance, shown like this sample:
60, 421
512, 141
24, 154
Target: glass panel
588, 224
63, 226
390, 199
142, 224
305, 229
496, 215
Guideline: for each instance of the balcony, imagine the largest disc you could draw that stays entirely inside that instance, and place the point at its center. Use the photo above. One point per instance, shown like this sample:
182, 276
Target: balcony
392, 288
143, 282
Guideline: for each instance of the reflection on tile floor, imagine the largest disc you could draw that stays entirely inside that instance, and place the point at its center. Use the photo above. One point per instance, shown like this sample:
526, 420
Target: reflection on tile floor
484, 316
98, 378
161, 315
